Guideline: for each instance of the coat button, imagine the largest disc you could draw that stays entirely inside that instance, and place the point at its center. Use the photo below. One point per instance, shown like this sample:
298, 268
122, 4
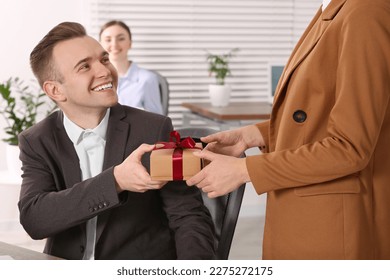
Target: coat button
82, 249
299, 116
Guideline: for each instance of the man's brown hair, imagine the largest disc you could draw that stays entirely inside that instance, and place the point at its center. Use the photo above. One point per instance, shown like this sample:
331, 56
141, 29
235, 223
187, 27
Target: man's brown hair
41, 58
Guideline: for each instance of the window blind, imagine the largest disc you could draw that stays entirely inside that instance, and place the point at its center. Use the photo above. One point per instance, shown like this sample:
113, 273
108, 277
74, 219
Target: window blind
174, 36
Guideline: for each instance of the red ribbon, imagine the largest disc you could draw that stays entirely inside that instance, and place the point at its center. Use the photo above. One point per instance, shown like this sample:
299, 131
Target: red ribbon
177, 156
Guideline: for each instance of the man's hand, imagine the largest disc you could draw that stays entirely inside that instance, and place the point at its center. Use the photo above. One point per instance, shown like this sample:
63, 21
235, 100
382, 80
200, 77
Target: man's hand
132, 176
222, 175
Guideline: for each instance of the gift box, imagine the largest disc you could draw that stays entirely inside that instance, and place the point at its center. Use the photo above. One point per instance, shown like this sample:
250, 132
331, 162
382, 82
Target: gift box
174, 160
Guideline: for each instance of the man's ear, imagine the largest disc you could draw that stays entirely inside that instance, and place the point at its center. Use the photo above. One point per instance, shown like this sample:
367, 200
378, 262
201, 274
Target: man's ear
53, 90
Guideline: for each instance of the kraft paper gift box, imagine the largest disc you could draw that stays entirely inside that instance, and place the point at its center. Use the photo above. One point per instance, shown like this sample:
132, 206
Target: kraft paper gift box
172, 162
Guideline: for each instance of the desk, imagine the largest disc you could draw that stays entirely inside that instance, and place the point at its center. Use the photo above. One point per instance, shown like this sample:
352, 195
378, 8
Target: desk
19, 253
11, 231
9, 197
225, 117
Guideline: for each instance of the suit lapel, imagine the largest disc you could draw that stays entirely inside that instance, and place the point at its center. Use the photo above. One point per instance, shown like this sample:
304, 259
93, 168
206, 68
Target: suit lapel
115, 152
67, 154
117, 137
307, 42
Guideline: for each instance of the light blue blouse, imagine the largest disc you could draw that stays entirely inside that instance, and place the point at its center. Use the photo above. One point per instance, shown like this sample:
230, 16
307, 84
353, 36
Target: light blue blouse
139, 88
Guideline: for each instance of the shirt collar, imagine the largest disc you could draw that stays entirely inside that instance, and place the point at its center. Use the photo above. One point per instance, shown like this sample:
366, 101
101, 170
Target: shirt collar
325, 3
75, 132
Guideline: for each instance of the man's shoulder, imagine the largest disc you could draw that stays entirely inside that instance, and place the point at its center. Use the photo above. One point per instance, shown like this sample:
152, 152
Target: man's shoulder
147, 126
47, 124
42, 131
134, 114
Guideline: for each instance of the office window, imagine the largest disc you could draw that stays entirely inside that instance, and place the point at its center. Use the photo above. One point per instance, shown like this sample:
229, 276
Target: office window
172, 36
275, 72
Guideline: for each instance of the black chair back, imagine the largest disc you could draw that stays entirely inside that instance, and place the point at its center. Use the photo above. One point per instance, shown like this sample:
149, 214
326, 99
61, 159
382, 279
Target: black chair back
164, 92
224, 210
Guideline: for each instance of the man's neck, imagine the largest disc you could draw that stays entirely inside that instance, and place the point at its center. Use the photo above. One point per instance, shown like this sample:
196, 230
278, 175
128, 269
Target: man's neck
86, 119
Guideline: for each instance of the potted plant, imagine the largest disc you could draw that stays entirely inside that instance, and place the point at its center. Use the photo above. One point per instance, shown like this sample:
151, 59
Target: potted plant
219, 66
19, 108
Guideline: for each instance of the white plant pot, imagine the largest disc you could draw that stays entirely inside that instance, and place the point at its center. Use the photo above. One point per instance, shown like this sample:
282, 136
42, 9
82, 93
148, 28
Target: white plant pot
219, 95
14, 165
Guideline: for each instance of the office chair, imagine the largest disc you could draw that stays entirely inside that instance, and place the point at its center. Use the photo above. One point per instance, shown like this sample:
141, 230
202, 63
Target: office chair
224, 210
164, 91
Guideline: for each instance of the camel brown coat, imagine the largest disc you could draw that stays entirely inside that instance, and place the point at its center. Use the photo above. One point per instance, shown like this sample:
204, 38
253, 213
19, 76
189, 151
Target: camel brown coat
326, 168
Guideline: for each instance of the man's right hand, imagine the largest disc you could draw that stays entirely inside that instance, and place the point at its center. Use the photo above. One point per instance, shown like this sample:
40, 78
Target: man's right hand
132, 176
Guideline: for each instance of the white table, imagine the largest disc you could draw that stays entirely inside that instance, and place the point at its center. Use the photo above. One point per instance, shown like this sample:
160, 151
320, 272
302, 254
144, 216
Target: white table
9, 197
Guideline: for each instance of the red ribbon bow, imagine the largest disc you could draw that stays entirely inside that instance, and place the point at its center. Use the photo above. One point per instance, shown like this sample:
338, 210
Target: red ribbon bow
177, 156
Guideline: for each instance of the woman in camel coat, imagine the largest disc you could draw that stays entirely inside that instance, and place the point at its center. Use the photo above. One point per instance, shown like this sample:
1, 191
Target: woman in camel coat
325, 164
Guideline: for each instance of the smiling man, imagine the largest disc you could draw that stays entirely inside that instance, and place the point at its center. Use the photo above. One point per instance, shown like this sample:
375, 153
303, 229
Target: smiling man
86, 186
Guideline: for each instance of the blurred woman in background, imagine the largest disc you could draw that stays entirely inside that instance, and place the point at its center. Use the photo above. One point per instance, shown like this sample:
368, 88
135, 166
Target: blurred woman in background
138, 87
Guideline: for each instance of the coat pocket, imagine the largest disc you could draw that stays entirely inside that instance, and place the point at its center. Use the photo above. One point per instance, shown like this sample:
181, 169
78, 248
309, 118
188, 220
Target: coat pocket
349, 184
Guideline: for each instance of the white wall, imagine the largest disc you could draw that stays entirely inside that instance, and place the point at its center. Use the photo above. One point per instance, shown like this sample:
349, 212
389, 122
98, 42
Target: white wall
22, 24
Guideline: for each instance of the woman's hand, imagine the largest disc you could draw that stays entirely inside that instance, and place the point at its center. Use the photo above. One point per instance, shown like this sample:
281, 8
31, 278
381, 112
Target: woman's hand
234, 142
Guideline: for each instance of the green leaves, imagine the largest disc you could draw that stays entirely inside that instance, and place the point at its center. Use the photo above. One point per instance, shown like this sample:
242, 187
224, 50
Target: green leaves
219, 65
19, 108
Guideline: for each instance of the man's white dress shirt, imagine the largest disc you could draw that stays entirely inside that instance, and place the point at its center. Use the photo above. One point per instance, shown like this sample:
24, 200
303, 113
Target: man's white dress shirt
89, 145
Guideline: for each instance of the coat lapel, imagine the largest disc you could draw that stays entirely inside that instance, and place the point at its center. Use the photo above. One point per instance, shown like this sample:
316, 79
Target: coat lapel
307, 42
67, 154
115, 152
117, 136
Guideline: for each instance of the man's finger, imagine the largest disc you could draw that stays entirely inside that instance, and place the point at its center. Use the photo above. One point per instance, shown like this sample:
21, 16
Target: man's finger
141, 150
158, 182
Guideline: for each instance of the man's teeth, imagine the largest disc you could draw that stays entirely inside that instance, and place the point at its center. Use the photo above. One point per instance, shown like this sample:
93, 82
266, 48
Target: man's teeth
103, 87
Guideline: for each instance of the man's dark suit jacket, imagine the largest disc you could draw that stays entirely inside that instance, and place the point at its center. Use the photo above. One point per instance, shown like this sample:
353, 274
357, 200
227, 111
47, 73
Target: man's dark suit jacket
171, 223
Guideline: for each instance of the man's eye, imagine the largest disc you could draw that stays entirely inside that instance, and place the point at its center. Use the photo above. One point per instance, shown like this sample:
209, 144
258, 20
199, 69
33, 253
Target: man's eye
84, 66
105, 60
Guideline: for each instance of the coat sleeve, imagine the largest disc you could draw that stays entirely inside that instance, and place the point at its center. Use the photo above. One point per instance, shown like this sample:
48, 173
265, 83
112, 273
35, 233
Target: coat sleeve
190, 221
263, 127
355, 122
47, 208
188, 218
